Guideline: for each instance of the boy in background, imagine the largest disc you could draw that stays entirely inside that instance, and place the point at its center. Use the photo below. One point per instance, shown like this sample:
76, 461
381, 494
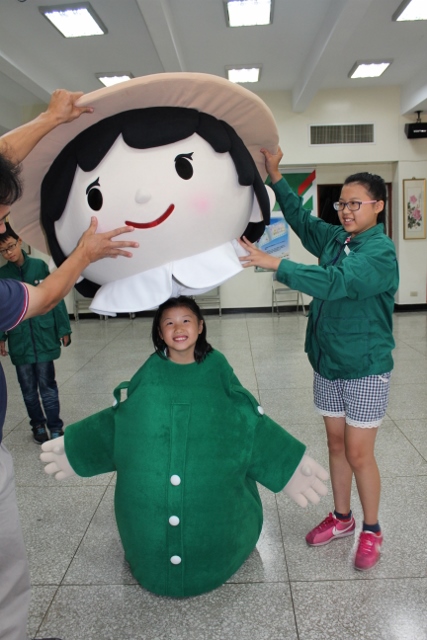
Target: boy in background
35, 343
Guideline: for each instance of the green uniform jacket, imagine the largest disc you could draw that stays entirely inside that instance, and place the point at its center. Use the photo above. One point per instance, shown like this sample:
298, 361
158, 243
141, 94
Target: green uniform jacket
188, 445
349, 330
36, 339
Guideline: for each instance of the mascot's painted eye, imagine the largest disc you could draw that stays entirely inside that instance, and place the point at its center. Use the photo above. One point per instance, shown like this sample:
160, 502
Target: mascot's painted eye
183, 166
95, 199
94, 196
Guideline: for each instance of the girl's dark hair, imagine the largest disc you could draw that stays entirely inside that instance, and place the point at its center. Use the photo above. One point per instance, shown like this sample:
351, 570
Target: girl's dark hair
375, 186
142, 129
10, 183
9, 233
202, 347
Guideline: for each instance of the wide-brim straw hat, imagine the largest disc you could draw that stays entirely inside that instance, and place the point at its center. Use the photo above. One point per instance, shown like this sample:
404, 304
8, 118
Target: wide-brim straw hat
249, 116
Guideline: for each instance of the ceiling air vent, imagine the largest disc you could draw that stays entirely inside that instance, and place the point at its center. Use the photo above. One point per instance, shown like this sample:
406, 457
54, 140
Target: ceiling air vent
342, 134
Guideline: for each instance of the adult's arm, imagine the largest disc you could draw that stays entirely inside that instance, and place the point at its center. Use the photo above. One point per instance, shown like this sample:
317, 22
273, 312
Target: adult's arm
18, 143
92, 246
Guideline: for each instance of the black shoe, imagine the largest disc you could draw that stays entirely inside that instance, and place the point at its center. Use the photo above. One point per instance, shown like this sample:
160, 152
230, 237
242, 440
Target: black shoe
40, 434
57, 433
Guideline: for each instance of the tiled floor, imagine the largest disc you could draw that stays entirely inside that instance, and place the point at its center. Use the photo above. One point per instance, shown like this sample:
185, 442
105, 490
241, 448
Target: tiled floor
82, 588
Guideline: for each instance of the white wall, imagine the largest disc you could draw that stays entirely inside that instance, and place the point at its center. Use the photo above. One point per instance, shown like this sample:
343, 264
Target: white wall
357, 106
411, 254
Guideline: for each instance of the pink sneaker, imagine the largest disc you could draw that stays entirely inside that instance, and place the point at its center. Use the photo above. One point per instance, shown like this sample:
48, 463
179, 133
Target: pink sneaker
368, 551
330, 529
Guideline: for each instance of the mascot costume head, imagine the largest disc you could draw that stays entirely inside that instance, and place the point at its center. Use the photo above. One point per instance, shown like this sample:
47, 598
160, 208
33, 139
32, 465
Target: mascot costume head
175, 155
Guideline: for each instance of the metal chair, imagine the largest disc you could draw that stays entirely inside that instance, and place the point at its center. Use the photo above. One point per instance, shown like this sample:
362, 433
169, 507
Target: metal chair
210, 299
281, 293
81, 304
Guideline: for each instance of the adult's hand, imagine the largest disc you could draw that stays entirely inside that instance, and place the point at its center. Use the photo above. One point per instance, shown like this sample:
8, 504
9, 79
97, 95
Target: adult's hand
62, 106
3, 351
94, 246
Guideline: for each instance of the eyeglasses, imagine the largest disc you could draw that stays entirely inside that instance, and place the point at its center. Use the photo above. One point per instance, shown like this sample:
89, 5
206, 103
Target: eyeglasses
8, 249
352, 205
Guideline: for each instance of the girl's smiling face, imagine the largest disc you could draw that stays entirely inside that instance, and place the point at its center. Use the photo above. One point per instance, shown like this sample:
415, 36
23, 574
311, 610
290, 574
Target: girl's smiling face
179, 330
183, 199
366, 217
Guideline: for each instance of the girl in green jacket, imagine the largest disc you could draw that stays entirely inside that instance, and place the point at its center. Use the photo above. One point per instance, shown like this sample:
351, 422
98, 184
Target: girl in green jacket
348, 340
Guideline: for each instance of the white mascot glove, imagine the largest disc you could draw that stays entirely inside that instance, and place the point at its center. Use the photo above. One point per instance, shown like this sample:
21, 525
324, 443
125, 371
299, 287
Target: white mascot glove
306, 485
54, 453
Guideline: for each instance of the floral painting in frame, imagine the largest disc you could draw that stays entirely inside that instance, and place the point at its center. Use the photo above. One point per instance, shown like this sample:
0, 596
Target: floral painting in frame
414, 209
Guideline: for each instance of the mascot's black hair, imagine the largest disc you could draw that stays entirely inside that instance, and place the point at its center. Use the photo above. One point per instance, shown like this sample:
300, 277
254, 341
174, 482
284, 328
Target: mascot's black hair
142, 129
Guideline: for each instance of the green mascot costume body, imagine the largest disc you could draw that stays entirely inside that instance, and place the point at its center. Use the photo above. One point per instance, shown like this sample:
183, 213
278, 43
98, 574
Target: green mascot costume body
189, 444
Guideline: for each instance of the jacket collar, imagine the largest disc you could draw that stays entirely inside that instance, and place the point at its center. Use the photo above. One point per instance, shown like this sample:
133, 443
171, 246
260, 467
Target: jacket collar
378, 229
13, 266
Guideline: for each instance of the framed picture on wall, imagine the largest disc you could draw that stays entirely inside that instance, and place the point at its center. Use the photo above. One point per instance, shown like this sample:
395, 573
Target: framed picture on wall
414, 209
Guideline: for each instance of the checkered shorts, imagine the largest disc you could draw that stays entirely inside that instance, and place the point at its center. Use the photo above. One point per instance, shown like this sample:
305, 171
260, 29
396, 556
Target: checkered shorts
363, 401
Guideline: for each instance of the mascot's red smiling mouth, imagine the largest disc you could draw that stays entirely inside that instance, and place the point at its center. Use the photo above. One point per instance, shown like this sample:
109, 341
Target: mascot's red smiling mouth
153, 223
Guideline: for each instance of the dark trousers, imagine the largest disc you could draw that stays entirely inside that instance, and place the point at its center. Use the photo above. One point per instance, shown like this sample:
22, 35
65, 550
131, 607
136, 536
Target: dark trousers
35, 378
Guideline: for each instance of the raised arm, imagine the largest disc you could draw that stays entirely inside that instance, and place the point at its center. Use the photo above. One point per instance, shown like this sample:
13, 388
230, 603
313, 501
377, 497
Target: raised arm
272, 161
92, 246
17, 144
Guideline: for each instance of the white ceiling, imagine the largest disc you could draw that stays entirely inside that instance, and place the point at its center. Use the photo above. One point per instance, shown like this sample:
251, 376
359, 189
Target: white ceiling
311, 46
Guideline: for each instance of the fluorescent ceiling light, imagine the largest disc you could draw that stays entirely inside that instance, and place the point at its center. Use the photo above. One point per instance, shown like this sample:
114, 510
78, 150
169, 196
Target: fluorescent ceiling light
411, 10
247, 13
372, 69
74, 20
108, 79
244, 74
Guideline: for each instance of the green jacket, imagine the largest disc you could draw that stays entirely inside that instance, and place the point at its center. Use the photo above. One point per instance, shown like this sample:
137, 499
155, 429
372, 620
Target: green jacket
350, 326
188, 443
36, 339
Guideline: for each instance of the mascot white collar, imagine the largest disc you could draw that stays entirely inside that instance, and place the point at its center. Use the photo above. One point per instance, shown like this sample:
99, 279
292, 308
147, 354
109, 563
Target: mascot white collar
177, 156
